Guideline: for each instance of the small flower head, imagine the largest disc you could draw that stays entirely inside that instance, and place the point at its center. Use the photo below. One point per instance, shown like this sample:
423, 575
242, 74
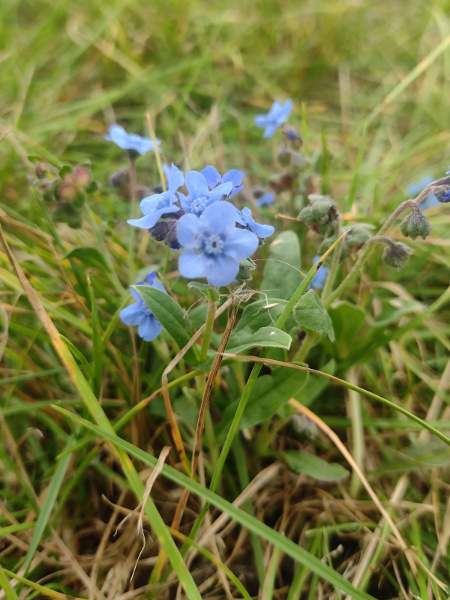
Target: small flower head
130, 141
416, 224
244, 218
264, 199
159, 205
396, 254
200, 196
276, 116
213, 245
139, 314
320, 277
214, 179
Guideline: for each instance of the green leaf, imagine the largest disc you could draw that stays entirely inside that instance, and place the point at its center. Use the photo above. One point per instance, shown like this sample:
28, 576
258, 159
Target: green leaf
395, 308
348, 321
89, 257
269, 394
266, 337
171, 316
205, 290
311, 314
314, 466
282, 274
262, 313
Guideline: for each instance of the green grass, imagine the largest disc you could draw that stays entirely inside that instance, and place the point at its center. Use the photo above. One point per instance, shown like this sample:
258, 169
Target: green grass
82, 413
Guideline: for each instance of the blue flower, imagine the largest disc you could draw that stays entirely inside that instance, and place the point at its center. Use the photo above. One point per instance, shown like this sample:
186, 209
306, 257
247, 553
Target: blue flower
200, 196
246, 219
158, 205
138, 314
213, 179
319, 278
213, 245
130, 141
276, 116
415, 188
265, 199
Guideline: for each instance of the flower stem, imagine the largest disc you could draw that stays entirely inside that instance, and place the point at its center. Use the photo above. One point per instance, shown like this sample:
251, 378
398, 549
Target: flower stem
365, 253
132, 231
210, 314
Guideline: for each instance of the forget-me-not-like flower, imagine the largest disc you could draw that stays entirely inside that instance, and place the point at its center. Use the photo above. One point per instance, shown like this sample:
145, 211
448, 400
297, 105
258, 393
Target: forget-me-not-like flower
213, 179
158, 205
200, 196
246, 219
265, 199
276, 116
130, 141
213, 245
139, 314
319, 278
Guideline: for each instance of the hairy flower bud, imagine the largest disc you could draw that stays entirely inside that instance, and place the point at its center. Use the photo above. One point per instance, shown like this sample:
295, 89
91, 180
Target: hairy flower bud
416, 224
396, 254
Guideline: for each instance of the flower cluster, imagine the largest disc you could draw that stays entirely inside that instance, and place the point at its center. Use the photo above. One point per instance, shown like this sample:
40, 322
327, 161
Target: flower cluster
213, 234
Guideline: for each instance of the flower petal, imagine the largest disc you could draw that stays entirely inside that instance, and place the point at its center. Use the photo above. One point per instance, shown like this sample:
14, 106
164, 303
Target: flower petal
196, 184
149, 328
212, 176
192, 265
224, 271
188, 228
219, 218
131, 315
148, 221
241, 244
175, 178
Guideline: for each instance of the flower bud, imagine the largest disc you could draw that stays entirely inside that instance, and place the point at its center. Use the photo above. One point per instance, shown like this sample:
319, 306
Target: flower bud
67, 191
284, 155
82, 177
396, 254
416, 224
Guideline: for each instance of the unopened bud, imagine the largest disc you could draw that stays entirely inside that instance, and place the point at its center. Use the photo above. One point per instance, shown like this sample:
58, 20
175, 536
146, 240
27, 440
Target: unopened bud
67, 191
396, 254
82, 177
416, 224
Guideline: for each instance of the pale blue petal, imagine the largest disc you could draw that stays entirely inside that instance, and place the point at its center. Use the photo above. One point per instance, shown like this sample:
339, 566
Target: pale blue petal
212, 176
150, 203
219, 218
261, 231
188, 228
266, 199
262, 120
234, 176
131, 315
241, 244
118, 135
149, 328
192, 265
148, 221
176, 178
196, 184
221, 191
224, 270
269, 131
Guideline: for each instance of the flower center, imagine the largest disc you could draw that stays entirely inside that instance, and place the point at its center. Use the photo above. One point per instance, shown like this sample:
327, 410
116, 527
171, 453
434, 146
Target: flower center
198, 205
213, 244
